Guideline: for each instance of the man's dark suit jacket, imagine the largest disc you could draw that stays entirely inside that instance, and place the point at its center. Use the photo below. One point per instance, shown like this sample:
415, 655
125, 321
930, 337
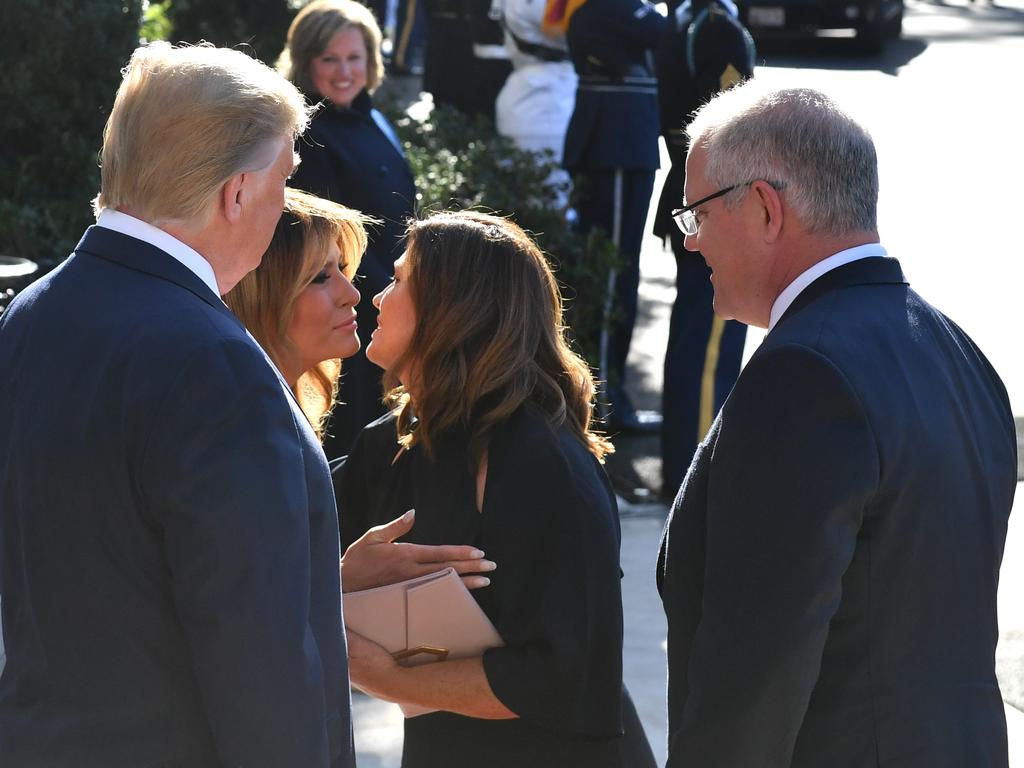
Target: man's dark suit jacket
830, 564
168, 533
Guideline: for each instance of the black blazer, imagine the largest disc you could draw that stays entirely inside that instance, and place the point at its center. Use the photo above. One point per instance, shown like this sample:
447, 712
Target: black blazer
168, 537
549, 521
829, 567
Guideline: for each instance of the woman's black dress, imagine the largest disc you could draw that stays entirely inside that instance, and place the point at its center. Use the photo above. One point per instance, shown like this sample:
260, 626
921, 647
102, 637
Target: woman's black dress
550, 522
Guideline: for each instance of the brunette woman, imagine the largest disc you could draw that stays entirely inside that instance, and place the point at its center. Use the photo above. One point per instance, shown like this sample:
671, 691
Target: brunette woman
490, 439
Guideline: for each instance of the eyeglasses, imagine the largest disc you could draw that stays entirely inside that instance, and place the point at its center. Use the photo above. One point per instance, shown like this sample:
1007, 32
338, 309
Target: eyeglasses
686, 219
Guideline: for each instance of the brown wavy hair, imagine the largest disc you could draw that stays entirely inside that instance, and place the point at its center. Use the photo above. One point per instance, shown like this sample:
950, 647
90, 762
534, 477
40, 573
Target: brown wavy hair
264, 300
489, 337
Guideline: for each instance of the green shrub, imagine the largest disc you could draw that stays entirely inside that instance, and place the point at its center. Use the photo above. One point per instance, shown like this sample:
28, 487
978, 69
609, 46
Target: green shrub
61, 63
155, 24
461, 162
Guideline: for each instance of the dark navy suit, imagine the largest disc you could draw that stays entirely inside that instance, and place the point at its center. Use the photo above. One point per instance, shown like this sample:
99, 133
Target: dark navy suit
168, 534
830, 565
611, 145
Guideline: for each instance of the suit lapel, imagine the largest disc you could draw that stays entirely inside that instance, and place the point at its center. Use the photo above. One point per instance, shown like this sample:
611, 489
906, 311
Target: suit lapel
876, 270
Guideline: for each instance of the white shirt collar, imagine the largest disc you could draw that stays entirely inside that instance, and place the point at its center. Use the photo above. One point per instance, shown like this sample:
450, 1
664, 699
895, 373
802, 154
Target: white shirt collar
172, 246
794, 289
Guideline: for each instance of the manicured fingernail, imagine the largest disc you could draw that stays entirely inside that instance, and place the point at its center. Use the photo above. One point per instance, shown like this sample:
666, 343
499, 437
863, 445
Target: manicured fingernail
408, 516
484, 581
488, 565
476, 553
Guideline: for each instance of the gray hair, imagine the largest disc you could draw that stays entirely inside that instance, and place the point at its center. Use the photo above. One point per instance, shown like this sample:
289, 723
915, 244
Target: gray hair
185, 120
800, 141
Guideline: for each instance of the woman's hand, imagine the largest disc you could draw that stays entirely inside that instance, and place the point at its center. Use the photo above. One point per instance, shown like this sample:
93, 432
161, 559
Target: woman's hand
376, 559
456, 686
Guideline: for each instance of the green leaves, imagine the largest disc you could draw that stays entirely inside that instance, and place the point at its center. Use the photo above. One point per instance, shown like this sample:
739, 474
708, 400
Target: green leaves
62, 64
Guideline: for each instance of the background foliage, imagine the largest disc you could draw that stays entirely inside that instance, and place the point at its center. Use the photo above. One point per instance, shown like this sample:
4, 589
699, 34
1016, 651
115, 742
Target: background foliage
61, 62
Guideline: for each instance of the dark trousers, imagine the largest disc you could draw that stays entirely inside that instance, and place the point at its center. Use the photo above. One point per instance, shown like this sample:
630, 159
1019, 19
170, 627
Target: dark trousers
702, 361
616, 200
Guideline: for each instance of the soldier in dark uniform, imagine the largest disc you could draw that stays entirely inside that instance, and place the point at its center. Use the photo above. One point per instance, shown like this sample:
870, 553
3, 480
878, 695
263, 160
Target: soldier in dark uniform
705, 51
465, 63
612, 147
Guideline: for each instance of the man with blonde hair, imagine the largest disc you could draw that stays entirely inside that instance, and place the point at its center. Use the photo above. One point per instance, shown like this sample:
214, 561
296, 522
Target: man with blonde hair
829, 567
168, 535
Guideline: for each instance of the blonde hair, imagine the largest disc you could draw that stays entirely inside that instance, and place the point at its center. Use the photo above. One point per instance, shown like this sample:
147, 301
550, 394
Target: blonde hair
185, 120
311, 32
488, 338
264, 300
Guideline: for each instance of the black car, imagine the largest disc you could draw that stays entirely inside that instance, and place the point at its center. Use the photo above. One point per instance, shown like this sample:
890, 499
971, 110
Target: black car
873, 21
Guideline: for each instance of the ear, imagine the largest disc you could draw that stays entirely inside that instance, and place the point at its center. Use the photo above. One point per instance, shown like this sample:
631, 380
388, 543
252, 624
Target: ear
771, 209
233, 196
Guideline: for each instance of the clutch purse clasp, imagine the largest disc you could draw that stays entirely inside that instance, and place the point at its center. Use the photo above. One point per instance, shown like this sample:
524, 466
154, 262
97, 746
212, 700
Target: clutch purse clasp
440, 654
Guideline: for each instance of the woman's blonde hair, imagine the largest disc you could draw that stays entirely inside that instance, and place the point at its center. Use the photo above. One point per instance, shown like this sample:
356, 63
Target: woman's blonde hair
264, 300
185, 120
311, 32
488, 337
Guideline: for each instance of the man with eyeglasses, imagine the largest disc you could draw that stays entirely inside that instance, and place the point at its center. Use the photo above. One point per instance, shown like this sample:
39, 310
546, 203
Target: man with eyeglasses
829, 568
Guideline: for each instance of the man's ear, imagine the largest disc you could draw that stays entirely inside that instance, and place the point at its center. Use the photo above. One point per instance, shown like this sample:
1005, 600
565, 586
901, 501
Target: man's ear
233, 195
771, 209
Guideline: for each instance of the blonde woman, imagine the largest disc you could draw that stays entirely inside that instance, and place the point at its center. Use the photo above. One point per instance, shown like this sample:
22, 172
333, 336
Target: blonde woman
490, 440
300, 303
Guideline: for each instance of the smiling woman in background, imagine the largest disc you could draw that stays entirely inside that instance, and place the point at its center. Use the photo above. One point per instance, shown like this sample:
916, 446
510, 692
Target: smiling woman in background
351, 155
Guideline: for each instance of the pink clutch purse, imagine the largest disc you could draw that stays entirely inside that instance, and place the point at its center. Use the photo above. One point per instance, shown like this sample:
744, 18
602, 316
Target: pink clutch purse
422, 620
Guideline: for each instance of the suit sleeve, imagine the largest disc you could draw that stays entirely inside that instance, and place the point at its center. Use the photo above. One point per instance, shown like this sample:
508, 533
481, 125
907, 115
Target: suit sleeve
793, 469
224, 478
